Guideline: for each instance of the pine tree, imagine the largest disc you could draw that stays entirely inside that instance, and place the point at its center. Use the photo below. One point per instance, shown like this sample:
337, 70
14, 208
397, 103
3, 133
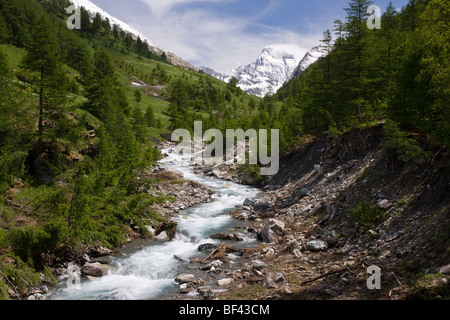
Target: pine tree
356, 41
42, 57
150, 117
139, 125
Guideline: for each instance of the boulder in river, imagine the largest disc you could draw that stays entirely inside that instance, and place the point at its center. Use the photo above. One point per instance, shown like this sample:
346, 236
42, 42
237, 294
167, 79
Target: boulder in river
162, 237
94, 269
185, 278
248, 202
206, 247
226, 236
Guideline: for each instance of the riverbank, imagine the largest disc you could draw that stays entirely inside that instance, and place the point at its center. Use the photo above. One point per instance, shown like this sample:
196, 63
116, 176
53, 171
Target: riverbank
342, 204
149, 272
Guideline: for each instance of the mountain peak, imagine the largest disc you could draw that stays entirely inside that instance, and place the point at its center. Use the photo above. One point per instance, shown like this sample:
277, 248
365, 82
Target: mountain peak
270, 70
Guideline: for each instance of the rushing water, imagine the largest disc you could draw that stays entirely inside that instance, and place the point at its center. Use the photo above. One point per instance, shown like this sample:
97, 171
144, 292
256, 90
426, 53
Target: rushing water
149, 273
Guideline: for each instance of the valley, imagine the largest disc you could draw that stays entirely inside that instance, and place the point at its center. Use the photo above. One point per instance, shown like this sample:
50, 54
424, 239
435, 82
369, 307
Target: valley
93, 192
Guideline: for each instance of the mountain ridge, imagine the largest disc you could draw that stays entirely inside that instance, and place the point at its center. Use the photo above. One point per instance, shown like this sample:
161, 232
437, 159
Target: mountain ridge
171, 57
271, 70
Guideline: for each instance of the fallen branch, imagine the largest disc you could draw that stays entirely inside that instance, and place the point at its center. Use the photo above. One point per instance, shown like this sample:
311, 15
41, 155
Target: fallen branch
221, 250
330, 273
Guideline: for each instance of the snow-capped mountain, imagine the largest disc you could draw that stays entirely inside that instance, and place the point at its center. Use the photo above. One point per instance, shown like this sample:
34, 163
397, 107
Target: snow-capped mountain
311, 57
268, 73
94, 9
221, 76
276, 65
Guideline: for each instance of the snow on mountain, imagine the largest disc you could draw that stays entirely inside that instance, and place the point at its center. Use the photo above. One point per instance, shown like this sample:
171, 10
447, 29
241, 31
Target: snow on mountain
311, 57
94, 9
221, 76
268, 73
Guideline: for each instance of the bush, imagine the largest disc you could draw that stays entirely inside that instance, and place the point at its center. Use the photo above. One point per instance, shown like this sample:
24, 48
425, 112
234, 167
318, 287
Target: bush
16, 275
31, 241
367, 215
398, 143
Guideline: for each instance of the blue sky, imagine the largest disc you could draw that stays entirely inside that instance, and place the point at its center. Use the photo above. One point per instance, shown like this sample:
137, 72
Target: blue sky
224, 34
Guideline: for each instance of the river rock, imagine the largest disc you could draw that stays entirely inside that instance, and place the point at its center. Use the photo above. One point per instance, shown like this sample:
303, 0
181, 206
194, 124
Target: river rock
248, 202
206, 247
94, 269
185, 278
99, 252
162, 237
316, 245
225, 282
243, 215
205, 292
226, 236
271, 231
259, 265
185, 288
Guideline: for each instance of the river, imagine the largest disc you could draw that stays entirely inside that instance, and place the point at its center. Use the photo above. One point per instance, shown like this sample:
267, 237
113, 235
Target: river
148, 272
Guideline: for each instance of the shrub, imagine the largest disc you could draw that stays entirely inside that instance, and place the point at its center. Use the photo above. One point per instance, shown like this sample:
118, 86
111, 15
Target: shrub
367, 215
398, 143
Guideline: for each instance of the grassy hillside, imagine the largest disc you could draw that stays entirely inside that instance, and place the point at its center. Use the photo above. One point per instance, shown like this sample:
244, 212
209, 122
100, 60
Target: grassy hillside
81, 115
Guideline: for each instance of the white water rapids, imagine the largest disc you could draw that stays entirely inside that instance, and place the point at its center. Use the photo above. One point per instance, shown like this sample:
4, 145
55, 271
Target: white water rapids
149, 274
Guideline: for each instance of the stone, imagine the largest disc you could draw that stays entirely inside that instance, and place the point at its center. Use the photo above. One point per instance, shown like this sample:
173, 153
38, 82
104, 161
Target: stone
259, 265
99, 252
272, 230
215, 263
384, 204
279, 278
205, 292
249, 202
269, 282
226, 236
185, 288
185, 278
316, 246
292, 245
305, 192
206, 247
36, 296
244, 215
225, 282
94, 269
445, 269
162, 237
297, 253
318, 168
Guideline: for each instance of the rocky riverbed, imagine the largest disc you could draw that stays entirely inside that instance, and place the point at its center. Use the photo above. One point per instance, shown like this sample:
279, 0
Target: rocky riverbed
310, 243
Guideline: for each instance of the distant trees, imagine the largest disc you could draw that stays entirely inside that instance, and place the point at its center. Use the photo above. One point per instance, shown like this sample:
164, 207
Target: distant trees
398, 71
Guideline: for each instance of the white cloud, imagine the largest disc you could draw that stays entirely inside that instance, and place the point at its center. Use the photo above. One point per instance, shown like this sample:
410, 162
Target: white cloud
160, 7
202, 37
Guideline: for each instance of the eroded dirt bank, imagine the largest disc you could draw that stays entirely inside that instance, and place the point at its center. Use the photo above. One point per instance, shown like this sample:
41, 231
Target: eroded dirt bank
342, 204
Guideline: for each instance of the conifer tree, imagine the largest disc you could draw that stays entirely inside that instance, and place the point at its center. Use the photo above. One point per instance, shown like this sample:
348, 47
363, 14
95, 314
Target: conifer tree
356, 42
42, 57
150, 117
